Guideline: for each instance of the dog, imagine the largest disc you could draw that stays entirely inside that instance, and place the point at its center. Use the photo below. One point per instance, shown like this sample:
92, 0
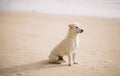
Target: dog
67, 46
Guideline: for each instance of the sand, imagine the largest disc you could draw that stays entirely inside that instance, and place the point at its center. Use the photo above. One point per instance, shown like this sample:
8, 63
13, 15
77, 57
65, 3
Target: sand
26, 40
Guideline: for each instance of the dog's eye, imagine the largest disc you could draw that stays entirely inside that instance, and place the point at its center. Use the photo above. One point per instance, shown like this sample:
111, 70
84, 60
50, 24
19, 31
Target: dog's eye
76, 27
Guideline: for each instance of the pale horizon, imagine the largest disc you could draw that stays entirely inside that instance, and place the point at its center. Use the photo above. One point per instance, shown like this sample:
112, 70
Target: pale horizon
98, 8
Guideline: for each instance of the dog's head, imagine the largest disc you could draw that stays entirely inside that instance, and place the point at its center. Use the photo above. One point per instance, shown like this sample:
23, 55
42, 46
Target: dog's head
75, 28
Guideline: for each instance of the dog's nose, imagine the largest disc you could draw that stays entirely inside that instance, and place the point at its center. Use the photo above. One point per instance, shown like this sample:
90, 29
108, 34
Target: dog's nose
82, 30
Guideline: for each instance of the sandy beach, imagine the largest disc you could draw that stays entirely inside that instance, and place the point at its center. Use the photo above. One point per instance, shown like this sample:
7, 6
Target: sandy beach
26, 40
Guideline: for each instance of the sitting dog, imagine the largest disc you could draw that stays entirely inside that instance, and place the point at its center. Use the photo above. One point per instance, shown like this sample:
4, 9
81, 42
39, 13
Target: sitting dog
67, 46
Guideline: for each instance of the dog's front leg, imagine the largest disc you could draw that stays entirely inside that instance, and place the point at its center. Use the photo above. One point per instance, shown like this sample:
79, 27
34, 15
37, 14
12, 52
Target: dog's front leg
69, 58
74, 58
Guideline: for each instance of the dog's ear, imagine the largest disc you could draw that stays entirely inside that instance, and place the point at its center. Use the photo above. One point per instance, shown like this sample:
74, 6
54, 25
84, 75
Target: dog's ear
70, 26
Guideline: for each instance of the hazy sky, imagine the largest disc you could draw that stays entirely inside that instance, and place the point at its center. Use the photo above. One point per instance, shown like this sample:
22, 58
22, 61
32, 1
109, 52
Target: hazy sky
105, 8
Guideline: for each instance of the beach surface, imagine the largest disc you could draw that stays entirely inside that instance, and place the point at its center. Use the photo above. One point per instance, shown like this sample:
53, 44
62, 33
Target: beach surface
26, 40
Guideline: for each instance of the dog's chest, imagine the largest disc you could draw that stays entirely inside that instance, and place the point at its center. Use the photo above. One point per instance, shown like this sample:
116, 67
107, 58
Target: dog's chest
72, 43
76, 42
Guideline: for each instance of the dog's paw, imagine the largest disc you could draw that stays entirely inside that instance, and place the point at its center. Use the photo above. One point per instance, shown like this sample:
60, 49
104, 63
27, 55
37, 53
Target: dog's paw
62, 60
55, 62
75, 63
58, 62
69, 65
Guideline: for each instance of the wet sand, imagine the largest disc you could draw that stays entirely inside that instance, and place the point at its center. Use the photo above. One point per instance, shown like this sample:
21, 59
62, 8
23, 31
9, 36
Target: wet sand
26, 39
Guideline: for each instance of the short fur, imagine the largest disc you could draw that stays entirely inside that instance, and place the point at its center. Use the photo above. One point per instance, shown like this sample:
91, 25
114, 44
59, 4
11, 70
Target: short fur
67, 46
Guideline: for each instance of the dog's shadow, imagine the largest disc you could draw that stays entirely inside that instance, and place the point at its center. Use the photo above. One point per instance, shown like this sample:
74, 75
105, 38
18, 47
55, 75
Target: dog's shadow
27, 67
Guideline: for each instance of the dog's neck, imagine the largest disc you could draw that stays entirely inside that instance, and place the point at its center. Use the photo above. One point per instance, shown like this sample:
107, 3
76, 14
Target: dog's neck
74, 37
71, 34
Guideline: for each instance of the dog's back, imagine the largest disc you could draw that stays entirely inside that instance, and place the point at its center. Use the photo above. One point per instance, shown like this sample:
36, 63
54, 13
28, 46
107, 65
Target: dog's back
66, 46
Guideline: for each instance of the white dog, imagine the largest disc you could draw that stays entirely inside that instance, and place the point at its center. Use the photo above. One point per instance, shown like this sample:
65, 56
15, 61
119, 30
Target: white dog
67, 46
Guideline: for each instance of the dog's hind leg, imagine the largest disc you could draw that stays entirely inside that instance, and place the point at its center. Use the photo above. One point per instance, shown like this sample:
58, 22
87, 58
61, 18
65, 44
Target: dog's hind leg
54, 59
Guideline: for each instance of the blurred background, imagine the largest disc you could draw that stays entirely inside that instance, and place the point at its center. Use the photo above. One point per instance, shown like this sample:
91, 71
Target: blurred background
99, 8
